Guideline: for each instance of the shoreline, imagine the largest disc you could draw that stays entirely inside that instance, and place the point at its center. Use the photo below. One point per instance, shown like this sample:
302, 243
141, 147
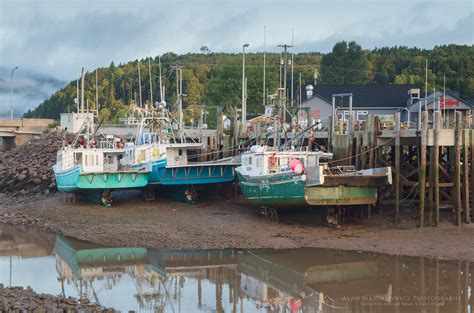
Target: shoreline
230, 223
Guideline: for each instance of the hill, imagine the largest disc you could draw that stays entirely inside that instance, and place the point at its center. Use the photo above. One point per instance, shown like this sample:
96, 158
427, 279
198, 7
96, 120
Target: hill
215, 78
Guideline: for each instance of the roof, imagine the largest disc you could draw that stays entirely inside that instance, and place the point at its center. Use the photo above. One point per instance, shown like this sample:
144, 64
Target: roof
365, 95
460, 105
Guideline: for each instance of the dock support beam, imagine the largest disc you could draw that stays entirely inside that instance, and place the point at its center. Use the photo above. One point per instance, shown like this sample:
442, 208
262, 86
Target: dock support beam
465, 163
457, 167
397, 167
422, 187
435, 165
472, 167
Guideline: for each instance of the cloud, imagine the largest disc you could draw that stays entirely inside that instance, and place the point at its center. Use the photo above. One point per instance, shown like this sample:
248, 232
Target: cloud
29, 89
59, 37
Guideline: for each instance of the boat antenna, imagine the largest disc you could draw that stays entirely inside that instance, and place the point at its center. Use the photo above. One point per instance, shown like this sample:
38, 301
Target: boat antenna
82, 90
97, 91
264, 61
161, 82
139, 84
151, 85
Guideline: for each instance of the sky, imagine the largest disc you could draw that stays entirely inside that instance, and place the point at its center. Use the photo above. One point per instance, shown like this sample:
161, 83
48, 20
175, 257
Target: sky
51, 40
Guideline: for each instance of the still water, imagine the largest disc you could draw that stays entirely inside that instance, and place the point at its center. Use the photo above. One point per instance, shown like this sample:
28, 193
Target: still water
194, 280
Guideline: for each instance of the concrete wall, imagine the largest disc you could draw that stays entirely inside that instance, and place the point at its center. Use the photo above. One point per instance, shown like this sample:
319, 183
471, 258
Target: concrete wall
26, 122
10, 130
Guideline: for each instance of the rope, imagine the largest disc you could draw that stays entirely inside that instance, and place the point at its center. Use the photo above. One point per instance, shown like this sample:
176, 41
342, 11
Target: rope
371, 149
409, 194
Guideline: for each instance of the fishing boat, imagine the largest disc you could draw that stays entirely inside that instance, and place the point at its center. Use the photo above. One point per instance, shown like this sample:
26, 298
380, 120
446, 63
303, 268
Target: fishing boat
173, 163
92, 167
269, 177
282, 179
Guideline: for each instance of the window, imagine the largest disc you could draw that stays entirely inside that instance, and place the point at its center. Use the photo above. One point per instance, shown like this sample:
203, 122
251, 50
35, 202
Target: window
250, 161
180, 152
346, 115
362, 115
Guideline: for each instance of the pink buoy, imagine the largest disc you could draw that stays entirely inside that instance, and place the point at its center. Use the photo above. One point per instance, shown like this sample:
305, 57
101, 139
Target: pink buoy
299, 169
293, 164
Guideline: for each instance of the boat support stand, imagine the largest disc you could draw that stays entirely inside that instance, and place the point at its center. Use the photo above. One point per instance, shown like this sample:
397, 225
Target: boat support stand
269, 214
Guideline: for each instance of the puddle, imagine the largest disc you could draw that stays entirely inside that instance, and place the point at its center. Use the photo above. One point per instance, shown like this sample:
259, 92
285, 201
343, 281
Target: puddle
195, 280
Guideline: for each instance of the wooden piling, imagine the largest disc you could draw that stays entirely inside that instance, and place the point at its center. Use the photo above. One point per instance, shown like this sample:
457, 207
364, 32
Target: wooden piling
457, 167
422, 180
397, 167
465, 185
350, 135
435, 162
472, 167
357, 151
372, 141
431, 166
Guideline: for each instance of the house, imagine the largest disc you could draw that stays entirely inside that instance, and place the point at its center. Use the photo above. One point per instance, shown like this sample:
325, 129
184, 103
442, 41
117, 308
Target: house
448, 104
381, 100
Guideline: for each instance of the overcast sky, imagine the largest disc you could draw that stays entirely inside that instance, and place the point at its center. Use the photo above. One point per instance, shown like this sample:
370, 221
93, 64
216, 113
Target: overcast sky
51, 40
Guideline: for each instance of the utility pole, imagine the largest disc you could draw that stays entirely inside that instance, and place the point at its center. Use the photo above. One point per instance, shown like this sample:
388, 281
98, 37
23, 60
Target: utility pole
300, 93
82, 90
77, 96
97, 90
244, 96
264, 63
285, 62
292, 60
444, 99
11, 92
151, 85
139, 84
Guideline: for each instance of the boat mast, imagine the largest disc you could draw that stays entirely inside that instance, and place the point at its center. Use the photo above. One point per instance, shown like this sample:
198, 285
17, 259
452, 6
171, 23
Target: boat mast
151, 85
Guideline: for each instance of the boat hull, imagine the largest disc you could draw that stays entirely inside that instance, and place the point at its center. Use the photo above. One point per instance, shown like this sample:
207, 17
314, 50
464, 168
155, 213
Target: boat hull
288, 190
73, 180
276, 191
154, 167
193, 174
196, 175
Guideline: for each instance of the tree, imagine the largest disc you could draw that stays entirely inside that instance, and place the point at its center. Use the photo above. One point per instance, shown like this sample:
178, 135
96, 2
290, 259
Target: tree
346, 64
205, 50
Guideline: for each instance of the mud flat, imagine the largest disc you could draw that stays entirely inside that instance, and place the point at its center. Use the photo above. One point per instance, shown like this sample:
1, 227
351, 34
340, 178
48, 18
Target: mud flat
230, 223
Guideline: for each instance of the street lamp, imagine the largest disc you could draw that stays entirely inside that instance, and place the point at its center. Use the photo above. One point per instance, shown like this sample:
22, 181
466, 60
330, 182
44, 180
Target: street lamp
11, 92
244, 104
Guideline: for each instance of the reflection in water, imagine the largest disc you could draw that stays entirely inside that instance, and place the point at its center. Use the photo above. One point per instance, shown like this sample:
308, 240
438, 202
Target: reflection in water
190, 280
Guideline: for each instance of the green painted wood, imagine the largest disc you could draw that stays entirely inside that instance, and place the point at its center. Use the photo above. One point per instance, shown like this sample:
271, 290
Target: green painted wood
341, 195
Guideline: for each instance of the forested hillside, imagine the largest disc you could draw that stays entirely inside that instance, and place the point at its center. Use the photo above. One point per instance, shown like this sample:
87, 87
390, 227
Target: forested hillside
215, 78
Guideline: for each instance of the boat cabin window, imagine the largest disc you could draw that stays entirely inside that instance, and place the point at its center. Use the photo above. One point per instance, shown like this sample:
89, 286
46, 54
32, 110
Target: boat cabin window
78, 158
180, 152
148, 138
109, 159
247, 160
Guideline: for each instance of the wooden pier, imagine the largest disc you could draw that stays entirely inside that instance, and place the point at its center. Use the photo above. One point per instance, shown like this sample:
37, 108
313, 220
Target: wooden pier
433, 168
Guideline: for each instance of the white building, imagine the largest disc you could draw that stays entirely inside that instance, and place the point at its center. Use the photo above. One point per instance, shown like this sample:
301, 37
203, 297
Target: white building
72, 122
